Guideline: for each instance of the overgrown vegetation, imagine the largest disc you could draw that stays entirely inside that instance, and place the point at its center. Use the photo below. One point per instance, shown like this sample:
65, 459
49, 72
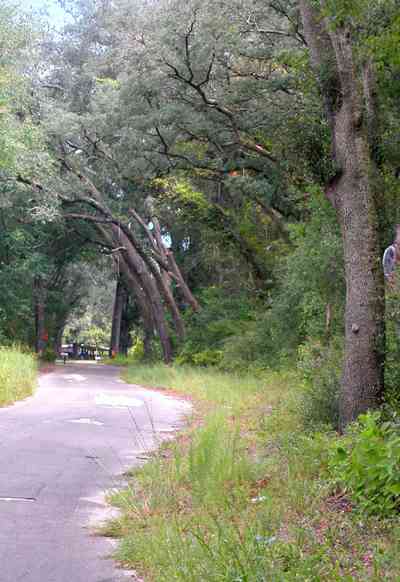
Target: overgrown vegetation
18, 374
247, 493
209, 186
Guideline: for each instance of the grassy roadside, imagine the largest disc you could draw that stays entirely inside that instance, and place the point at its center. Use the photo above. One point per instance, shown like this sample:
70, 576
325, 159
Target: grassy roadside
18, 374
245, 494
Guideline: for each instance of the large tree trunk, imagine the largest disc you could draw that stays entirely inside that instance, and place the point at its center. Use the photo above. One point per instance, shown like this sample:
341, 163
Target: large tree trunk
119, 305
346, 92
168, 257
59, 332
144, 308
135, 264
143, 287
162, 278
362, 384
142, 267
126, 326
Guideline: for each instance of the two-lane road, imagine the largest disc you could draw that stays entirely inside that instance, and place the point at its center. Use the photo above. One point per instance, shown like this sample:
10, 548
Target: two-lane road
59, 452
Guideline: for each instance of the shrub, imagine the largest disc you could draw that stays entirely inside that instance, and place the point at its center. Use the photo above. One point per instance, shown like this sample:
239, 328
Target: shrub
136, 352
392, 363
367, 463
321, 367
207, 358
48, 355
223, 316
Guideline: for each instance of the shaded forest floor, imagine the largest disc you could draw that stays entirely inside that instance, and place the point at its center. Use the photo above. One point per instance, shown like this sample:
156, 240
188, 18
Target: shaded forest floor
245, 493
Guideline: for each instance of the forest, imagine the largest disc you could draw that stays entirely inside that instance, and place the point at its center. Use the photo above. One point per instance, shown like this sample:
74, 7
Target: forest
212, 185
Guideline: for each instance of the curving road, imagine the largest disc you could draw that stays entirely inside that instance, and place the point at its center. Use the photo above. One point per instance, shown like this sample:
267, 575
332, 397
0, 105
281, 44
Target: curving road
59, 452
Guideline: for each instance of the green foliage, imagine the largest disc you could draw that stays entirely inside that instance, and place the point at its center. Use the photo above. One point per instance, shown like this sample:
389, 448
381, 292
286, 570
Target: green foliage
321, 367
392, 336
312, 279
137, 350
221, 317
366, 462
48, 355
207, 358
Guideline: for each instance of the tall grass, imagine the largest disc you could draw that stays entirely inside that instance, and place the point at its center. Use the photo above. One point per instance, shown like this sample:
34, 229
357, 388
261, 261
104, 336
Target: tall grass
209, 385
18, 373
244, 495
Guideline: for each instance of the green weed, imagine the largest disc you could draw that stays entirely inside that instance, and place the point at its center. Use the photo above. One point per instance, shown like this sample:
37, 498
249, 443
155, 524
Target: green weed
367, 462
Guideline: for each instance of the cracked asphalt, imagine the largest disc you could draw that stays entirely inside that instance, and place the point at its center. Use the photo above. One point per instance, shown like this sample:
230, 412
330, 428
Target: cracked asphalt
60, 452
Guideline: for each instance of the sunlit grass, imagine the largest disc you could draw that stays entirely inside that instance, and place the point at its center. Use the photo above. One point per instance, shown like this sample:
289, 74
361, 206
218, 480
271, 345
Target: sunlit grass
208, 384
18, 373
118, 360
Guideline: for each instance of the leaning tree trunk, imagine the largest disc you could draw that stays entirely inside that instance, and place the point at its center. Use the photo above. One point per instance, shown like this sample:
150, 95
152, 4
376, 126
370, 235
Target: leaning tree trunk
135, 263
143, 286
119, 305
353, 191
126, 327
142, 267
168, 257
136, 289
144, 309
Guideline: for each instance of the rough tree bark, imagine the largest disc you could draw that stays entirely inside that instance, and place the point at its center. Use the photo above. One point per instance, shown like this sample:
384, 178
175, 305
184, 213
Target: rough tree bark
59, 332
168, 257
135, 263
346, 91
125, 339
120, 300
135, 287
144, 309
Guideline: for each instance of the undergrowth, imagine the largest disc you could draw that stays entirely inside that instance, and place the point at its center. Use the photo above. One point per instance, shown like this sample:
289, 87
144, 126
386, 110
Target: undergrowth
18, 372
245, 494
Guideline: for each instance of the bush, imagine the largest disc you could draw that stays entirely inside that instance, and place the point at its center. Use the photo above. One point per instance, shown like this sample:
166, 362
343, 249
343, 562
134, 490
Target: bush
392, 364
48, 355
322, 369
223, 316
366, 462
207, 358
311, 279
136, 352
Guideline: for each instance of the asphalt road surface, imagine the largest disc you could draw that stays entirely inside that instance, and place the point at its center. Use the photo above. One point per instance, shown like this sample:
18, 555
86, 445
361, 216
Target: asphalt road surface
60, 451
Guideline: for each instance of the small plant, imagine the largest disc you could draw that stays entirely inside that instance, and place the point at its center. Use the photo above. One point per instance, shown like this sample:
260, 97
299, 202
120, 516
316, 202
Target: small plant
367, 463
321, 368
207, 358
48, 355
136, 352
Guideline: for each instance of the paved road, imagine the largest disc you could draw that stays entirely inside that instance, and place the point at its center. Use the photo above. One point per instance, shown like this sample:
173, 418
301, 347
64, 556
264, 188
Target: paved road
59, 452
